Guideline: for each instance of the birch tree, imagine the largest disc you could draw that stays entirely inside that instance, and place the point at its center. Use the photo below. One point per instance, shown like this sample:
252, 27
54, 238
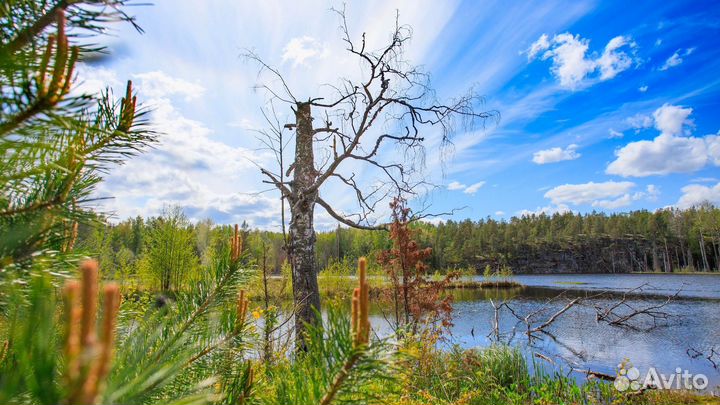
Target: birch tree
392, 106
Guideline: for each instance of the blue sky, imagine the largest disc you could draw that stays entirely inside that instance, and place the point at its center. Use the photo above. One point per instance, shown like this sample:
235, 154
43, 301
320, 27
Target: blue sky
607, 106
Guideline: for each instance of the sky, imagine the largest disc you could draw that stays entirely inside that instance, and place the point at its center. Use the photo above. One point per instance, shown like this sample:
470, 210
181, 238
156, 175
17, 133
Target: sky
604, 106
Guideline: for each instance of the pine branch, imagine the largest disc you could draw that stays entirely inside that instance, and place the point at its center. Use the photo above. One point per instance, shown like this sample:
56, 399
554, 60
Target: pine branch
25, 36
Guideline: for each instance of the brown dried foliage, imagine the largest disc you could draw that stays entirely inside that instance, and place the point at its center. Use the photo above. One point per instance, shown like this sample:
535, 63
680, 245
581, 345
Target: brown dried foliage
418, 299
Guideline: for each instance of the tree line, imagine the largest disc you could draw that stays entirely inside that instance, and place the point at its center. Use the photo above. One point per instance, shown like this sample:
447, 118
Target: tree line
167, 250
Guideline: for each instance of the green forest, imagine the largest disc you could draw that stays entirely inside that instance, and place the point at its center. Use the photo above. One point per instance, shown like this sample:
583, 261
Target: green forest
663, 241
95, 310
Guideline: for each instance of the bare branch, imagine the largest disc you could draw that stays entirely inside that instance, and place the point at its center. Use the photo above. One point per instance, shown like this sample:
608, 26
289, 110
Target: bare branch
346, 221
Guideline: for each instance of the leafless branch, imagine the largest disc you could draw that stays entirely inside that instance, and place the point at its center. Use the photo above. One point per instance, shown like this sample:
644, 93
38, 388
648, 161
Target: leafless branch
625, 313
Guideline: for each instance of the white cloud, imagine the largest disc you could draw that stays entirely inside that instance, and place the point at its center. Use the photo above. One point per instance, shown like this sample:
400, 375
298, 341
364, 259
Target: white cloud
673, 60
499, 213
548, 210
615, 134
713, 147
187, 167
609, 194
670, 119
456, 186
298, 50
664, 155
158, 84
473, 188
676, 58
94, 79
639, 121
614, 61
557, 154
652, 192
541, 45
643, 89
696, 194
571, 64
668, 152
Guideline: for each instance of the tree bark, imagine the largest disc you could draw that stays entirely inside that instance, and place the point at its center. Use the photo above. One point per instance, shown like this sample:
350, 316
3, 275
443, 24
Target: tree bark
306, 292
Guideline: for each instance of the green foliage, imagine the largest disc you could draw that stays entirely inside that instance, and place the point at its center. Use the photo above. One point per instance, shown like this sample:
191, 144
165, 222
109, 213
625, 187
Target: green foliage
312, 376
54, 146
172, 261
488, 273
167, 353
470, 244
30, 363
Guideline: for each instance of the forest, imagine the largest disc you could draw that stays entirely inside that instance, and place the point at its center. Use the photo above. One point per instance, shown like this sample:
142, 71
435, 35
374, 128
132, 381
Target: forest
165, 309
668, 240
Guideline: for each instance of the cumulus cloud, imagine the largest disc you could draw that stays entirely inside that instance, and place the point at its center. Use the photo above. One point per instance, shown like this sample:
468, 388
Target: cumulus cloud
499, 213
473, 188
643, 89
187, 167
669, 152
664, 155
298, 50
557, 154
157, 84
671, 119
696, 194
676, 58
93, 80
613, 61
608, 195
571, 62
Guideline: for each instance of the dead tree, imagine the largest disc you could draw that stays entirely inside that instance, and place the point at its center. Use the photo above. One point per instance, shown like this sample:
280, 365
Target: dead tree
389, 106
628, 314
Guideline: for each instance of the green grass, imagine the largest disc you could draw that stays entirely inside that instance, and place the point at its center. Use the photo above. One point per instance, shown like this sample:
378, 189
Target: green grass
500, 375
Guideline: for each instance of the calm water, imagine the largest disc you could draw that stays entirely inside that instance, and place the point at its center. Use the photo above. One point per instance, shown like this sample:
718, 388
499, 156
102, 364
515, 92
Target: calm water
576, 340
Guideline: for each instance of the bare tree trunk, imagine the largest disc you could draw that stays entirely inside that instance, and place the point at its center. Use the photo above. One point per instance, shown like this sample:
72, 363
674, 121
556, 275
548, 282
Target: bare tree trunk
690, 260
706, 266
306, 292
655, 258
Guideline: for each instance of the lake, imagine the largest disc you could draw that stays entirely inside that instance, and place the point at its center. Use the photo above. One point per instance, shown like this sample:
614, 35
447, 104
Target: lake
577, 341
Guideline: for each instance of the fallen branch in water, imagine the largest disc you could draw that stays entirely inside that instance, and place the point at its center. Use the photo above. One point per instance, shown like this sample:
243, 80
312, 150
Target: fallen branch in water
695, 354
595, 374
623, 313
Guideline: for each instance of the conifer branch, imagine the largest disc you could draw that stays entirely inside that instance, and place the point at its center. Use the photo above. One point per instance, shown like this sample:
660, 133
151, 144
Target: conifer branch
88, 360
360, 331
